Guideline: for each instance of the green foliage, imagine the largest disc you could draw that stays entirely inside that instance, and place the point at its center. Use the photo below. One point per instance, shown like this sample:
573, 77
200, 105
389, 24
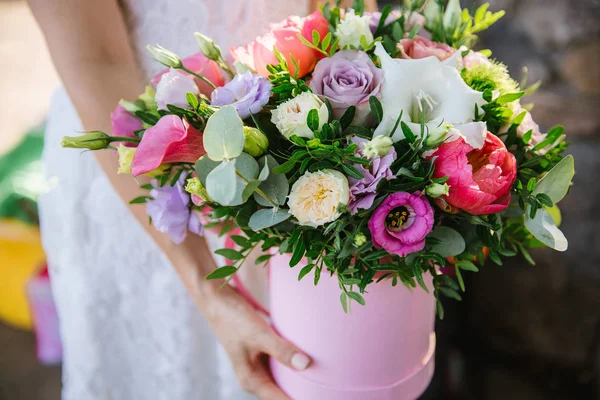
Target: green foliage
285, 86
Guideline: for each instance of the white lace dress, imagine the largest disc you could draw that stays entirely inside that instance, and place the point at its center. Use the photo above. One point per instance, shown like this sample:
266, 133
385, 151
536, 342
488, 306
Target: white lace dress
129, 329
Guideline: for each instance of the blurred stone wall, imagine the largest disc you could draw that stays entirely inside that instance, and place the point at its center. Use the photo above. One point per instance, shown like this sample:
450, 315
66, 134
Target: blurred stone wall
538, 328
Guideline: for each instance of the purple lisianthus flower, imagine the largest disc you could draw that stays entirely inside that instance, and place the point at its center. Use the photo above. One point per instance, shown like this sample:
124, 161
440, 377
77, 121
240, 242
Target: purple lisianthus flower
247, 92
401, 223
124, 124
170, 211
347, 79
363, 191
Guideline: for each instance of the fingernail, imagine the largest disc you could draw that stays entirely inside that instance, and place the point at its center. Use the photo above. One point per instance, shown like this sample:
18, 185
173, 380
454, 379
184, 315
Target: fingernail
300, 361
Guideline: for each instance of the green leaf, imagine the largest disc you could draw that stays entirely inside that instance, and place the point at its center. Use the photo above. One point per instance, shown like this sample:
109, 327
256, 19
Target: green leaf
352, 171
347, 117
221, 184
147, 186
263, 259
450, 242
312, 119
361, 131
467, 265
224, 134
531, 184
509, 97
451, 293
545, 230
316, 37
545, 200
459, 278
556, 182
298, 253
192, 100
408, 133
141, 200
204, 166
305, 271
356, 297
221, 273
266, 218
376, 108
241, 241
344, 301
230, 254
250, 189
276, 186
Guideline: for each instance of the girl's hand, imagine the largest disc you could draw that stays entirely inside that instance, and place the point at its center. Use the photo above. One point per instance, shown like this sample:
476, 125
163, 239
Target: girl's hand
248, 339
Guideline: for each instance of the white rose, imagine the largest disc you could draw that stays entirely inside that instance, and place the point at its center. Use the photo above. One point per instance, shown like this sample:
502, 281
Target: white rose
315, 198
172, 88
352, 27
290, 116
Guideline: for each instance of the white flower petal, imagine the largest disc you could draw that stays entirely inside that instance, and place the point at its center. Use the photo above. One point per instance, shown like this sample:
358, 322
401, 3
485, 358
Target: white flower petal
404, 80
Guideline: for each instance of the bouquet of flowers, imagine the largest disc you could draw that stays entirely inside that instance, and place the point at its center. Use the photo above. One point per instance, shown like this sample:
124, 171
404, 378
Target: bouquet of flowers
372, 148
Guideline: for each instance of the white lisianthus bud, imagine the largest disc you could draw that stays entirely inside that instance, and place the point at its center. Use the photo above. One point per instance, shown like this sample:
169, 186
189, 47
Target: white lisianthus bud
438, 135
379, 146
164, 56
453, 14
172, 89
352, 27
432, 12
316, 197
208, 47
436, 190
290, 116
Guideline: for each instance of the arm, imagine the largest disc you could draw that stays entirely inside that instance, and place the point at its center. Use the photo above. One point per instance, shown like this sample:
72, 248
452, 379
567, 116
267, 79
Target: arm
90, 47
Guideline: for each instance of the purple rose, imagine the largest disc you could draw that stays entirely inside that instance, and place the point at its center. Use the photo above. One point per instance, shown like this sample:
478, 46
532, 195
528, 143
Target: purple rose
247, 92
401, 223
170, 211
363, 191
347, 79
124, 124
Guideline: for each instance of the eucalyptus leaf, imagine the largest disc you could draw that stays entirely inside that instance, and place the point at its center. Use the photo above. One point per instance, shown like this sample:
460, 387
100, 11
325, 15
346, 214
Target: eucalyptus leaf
250, 188
266, 218
545, 230
221, 184
203, 167
224, 134
450, 244
556, 182
276, 186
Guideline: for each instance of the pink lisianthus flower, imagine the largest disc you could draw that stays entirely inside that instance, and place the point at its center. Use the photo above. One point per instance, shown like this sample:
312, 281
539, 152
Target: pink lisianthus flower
202, 66
401, 223
419, 47
124, 124
284, 37
170, 140
480, 179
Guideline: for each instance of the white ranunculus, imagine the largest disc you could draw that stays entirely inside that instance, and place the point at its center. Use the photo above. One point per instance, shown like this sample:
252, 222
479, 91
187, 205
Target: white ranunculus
429, 90
172, 89
315, 198
352, 27
290, 116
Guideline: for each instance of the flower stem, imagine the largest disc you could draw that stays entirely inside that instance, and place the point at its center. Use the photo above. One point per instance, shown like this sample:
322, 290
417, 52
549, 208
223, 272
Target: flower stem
124, 139
260, 192
205, 80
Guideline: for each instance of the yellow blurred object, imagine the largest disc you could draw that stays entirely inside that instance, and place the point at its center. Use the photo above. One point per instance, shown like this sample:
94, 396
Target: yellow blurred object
21, 256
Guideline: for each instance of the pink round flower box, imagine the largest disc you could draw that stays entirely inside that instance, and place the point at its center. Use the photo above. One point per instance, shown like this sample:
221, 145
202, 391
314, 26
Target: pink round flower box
381, 351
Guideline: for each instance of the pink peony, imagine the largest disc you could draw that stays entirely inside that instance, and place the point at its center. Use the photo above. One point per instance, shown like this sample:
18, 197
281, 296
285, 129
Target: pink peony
419, 47
480, 179
203, 67
284, 36
401, 223
124, 124
170, 140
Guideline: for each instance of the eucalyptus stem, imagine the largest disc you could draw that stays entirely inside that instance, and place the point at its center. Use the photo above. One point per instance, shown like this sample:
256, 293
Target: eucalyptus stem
260, 192
205, 80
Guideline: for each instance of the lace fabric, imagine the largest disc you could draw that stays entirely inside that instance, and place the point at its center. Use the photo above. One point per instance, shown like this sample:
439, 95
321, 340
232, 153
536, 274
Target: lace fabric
130, 330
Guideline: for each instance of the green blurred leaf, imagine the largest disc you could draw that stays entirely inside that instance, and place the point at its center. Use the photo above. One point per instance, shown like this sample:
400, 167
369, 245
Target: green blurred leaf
450, 242
224, 134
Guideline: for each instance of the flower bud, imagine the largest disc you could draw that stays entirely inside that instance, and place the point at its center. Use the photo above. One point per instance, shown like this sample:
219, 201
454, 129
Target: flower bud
94, 140
195, 188
208, 47
436, 190
360, 239
432, 13
379, 146
148, 98
165, 57
255, 142
437, 135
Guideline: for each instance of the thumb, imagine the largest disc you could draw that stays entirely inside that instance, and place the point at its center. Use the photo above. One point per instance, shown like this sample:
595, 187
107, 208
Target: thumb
284, 351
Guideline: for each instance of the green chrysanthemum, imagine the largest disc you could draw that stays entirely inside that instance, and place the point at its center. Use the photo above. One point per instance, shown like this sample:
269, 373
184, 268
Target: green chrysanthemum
493, 76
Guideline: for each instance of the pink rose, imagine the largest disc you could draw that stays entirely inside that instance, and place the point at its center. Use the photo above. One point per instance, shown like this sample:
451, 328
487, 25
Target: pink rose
170, 140
480, 179
419, 47
202, 66
284, 37
124, 124
475, 58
